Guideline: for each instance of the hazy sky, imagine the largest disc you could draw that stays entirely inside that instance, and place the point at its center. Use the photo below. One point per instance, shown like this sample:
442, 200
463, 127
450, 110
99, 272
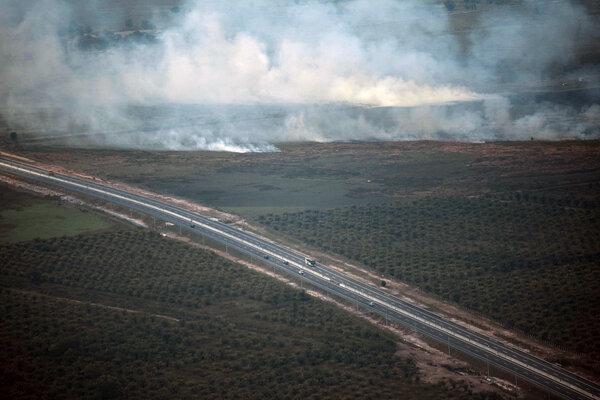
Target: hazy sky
244, 75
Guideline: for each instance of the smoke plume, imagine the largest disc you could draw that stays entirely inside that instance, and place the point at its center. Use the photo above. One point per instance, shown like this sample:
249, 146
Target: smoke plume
243, 77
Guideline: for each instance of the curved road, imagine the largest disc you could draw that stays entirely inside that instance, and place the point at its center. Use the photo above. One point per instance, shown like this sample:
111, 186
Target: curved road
541, 373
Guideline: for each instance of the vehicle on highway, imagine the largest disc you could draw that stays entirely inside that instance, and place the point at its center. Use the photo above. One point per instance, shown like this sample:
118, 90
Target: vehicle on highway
301, 272
192, 226
371, 303
266, 256
51, 173
310, 262
285, 262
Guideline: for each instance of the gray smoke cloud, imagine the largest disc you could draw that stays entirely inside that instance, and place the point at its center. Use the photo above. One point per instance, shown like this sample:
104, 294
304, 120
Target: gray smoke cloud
243, 77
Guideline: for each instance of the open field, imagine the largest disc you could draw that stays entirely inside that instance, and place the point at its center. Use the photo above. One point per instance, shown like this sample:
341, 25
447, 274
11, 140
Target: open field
25, 217
317, 176
160, 319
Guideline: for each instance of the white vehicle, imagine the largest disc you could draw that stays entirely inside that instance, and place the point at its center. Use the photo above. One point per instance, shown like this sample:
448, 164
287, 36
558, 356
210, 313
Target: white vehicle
309, 262
301, 272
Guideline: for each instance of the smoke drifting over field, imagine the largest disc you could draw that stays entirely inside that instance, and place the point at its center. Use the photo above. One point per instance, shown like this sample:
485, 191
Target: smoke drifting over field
244, 77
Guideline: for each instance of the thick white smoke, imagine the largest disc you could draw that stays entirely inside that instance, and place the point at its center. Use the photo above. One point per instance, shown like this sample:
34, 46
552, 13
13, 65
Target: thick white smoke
241, 77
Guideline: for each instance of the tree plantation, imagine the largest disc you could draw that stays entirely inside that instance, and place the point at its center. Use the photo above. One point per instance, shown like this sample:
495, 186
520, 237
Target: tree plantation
130, 314
526, 259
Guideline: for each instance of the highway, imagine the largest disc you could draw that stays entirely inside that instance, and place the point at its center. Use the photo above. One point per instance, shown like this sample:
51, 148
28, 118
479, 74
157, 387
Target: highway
520, 364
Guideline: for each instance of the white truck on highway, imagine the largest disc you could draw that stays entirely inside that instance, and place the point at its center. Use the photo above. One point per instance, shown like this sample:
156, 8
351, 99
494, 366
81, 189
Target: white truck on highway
309, 262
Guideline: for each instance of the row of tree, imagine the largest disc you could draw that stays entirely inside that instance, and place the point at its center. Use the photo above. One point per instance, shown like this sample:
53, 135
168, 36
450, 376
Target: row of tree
524, 259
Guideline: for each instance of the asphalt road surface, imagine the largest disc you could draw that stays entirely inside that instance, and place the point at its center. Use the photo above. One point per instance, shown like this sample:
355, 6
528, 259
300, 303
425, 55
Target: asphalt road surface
519, 363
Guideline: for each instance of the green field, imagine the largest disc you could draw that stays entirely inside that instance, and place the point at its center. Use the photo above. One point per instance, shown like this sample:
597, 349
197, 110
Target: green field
199, 326
25, 217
